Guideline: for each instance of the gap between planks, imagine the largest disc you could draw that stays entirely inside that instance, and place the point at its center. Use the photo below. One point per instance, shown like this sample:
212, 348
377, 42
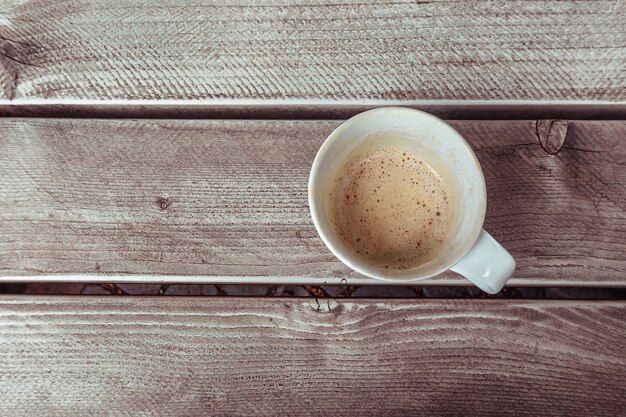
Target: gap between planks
310, 109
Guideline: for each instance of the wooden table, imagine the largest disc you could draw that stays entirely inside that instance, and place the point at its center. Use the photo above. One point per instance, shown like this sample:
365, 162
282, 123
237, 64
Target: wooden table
168, 142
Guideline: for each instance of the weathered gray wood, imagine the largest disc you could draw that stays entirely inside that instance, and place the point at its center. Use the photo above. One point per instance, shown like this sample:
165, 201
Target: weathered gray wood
195, 357
215, 201
314, 50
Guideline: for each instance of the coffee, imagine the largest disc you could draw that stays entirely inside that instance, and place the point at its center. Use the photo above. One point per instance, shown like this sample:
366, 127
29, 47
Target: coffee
390, 207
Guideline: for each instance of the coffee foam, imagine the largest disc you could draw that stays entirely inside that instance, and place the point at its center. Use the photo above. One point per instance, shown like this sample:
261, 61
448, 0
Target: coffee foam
390, 207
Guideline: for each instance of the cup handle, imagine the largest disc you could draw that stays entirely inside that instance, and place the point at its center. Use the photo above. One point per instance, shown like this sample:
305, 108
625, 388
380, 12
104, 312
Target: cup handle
488, 265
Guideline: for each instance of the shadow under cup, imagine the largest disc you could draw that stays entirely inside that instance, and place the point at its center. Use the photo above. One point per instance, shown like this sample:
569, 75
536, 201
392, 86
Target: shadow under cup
437, 143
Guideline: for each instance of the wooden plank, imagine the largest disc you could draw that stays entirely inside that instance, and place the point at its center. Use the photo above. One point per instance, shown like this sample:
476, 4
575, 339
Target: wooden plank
225, 201
316, 50
201, 356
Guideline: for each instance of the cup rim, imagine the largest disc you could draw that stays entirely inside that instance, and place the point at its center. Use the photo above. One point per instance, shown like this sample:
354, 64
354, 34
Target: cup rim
313, 208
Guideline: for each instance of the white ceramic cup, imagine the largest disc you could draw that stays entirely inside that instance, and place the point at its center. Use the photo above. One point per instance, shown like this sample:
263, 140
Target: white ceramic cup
469, 251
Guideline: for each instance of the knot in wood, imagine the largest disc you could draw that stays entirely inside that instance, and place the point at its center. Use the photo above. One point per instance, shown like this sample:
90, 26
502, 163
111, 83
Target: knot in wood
551, 134
163, 203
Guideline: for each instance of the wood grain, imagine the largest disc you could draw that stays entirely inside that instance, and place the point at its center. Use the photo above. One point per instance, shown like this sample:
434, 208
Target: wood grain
313, 50
216, 201
70, 356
